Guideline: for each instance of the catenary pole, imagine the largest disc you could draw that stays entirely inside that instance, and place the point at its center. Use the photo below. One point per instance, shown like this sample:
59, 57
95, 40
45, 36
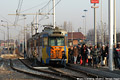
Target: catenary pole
115, 22
110, 23
95, 29
102, 26
37, 24
85, 20
54, 13
34, 25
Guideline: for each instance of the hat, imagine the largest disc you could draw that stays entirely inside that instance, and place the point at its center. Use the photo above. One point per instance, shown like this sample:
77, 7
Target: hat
103, 45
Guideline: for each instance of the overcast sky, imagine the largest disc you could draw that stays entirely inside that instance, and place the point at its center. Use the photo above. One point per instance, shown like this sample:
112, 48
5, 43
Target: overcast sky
66, 10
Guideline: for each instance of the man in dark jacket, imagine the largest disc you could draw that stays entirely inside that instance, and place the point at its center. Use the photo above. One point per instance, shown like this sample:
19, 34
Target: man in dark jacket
84, 54
115, 56
118, 56
63, 61
103, 56
95, 57
79, 53
107, 53
70, 55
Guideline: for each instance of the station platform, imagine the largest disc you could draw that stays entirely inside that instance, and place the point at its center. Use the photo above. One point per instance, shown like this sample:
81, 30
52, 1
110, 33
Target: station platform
104, 72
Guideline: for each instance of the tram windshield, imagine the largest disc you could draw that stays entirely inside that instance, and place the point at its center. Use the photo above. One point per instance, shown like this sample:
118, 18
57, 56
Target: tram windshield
56, 41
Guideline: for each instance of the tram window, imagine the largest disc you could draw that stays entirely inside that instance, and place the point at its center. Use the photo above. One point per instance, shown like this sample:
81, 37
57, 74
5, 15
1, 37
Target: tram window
60, 41
52, 42
45, 41
56, 41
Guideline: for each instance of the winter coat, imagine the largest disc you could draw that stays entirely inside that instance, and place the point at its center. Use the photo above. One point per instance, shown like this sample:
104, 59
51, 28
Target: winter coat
70, 51
103, 53
118, 52
89, 54
84, 52
75, 51
64, 56
95, 53
79, 50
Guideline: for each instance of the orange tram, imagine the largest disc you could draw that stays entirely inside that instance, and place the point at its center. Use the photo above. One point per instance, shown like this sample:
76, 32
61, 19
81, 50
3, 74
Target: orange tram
47, 46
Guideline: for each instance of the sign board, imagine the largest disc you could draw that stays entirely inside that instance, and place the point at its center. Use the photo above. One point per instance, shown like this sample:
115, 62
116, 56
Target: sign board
94, 1
95, 7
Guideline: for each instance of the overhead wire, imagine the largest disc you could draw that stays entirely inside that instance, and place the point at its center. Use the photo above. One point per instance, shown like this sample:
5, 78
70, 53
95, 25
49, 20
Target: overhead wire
45, 5
33, 7
50, 10
6, 19
42, 8
18, 11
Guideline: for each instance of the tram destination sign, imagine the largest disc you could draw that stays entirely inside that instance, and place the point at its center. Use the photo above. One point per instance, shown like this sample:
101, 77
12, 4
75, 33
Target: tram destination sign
94, 1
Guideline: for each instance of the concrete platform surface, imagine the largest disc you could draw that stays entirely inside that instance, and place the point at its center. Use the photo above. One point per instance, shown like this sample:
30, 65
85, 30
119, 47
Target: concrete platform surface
104, 72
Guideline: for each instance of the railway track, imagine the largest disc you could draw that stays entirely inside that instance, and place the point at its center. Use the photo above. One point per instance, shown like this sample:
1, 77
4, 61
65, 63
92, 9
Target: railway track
60, 74
68, 72
32, 73
63, 72
84, 72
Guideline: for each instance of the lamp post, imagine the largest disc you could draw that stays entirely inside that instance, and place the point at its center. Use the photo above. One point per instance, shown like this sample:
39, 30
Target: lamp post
115, 41
110, 24
85, 20
102, 33
7, 32
24, 37
4, 36
83, 23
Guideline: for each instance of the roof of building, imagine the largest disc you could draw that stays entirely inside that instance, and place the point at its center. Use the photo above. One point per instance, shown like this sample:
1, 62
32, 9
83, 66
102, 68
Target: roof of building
76, 35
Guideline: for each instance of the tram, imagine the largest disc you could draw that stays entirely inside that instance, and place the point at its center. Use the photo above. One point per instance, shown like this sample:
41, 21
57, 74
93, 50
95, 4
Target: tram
48, 45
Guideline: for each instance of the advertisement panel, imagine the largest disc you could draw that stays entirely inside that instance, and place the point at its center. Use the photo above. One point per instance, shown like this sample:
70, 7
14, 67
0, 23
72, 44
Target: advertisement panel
94, 1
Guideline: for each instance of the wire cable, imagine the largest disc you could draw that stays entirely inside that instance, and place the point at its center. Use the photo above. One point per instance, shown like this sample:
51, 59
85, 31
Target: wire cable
42, 8
50, 10
33, 7
18, 11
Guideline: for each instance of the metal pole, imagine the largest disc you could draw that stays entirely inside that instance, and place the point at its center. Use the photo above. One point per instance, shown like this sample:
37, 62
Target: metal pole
8, 35
85, 20
102, 26
37, 24
34, 25
83, 23
71, 32
95, 31
115, 22
24, 37
31, 29
4, 39
54, 13
110, 21
7, 32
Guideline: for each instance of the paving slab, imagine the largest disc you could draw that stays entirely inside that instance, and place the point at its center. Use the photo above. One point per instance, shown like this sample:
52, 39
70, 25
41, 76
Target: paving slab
97, 71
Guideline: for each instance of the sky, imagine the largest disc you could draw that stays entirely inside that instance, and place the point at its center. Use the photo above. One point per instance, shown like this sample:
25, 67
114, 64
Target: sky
66, 10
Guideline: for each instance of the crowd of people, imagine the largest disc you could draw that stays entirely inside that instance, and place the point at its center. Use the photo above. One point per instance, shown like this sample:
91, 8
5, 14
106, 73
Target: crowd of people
93, 55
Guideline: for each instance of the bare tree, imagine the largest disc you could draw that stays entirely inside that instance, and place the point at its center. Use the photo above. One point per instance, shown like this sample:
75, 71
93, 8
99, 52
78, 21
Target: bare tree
65, 25
103, 33
90, 35
118, 37
27, 36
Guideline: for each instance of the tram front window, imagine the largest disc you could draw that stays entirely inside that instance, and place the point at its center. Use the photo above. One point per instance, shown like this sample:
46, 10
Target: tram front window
56, 41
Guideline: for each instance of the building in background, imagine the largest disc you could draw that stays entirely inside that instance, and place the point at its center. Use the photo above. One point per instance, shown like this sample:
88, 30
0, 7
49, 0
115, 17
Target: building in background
75, 38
